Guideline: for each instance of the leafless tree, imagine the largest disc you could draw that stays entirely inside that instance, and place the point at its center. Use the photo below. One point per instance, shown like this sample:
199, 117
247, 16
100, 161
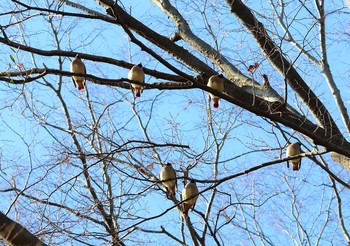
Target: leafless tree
81, 167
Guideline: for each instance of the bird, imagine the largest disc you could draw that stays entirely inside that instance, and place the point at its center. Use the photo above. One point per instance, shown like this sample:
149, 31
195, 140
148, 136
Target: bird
292, 150
77, 66
136, 73
190, 190
168, 172
216, 82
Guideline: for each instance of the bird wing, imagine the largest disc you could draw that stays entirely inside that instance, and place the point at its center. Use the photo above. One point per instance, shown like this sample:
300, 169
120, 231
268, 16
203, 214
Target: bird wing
84, 71
175, 178
75, 85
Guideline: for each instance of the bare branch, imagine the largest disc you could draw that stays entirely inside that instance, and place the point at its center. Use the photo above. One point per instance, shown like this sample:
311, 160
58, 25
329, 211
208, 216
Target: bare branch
15, 234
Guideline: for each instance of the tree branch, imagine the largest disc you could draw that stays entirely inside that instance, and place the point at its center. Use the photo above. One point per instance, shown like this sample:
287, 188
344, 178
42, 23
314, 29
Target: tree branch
276, 58
15, 234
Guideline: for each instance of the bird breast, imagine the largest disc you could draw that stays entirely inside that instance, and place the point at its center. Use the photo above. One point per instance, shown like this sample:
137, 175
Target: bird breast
189, 191
78, 68
217, 86
137, 75
292, 150
168, 175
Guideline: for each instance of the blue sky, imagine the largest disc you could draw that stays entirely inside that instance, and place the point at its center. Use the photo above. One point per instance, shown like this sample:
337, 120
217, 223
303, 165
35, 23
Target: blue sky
177, 117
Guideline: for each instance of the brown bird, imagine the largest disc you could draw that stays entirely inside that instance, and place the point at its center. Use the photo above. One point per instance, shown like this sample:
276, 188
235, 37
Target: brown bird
216, 82
292, 150
77, 66
189, 191
168, 172
136, 73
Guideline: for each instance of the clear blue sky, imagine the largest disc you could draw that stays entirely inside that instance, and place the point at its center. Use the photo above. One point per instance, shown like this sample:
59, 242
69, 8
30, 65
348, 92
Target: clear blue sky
24, 142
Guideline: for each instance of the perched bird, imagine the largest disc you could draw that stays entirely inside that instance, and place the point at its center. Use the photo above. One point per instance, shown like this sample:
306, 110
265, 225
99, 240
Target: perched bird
190, 190
168, 172
77, 66
292, 150
216, 82
136, 73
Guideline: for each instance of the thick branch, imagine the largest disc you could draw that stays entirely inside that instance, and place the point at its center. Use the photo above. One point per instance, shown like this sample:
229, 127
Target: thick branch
274, 111
199, 44
276, 58
162, 42
15, 234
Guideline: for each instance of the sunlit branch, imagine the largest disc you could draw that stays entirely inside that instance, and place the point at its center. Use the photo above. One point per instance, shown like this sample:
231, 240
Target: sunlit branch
284, 66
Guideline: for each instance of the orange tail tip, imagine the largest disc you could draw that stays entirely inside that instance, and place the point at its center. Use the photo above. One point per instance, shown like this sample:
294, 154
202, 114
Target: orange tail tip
295, 168
138, 92
81, 86
216, 102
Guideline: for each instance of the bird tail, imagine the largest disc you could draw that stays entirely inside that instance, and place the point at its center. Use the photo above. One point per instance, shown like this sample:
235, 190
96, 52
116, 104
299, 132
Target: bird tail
296, 168
81, 86
172, 191
138, 92
186, 208
216, 102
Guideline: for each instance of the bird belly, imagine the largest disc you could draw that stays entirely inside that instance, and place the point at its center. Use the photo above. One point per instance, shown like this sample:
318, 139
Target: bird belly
135, 85
79, 78
75, 68
295, 161
169, 183
188, 194
217, 86
136, 76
